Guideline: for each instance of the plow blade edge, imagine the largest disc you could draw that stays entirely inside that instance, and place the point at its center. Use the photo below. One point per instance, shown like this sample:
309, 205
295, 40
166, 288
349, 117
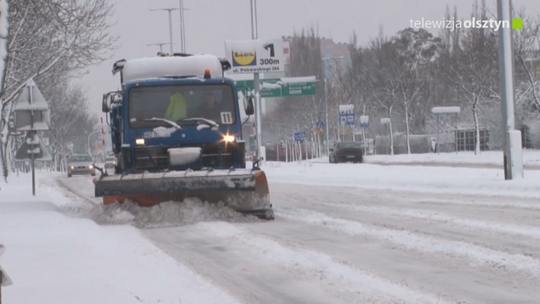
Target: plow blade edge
242, 190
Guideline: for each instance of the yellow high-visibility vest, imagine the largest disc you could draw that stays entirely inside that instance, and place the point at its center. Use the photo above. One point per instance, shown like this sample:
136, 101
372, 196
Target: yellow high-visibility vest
177, 108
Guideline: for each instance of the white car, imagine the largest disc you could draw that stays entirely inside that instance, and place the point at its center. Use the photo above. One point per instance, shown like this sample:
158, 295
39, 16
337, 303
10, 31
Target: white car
110, 162
81, 165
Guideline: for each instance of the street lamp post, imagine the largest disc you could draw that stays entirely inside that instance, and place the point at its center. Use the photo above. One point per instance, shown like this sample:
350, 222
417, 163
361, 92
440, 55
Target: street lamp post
512, 158
258, 110
170, 23
182, 26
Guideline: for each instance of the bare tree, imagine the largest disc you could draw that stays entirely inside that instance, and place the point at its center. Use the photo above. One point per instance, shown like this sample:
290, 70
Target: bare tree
414, 53
51, 38
475, 68
527, 52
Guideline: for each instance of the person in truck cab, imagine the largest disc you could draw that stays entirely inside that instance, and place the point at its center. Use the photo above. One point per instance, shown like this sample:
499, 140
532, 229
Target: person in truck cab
210, 107
177, 107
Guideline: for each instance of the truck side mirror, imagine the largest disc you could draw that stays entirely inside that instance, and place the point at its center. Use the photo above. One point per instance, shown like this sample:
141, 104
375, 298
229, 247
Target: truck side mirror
248, 106
105, 104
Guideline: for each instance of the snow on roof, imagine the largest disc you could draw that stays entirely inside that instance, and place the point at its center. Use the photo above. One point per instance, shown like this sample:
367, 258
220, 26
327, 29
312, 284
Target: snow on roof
155, 67
299, 79
446, 110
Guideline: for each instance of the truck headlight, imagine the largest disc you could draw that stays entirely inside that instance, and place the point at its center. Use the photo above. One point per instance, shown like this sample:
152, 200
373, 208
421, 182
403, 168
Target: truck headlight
139, 141
228, 138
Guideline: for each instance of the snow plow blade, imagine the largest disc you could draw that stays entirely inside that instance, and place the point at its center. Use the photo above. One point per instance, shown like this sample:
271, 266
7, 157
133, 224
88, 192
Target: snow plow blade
242, 190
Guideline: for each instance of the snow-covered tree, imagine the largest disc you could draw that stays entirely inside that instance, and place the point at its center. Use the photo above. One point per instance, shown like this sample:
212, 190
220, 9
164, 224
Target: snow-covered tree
51, 39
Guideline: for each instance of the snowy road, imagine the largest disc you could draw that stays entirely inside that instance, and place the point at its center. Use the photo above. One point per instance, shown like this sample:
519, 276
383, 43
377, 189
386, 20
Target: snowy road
346, 245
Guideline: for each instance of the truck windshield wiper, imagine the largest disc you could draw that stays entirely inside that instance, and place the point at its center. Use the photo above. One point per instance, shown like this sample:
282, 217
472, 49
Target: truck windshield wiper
172, 123
199, 120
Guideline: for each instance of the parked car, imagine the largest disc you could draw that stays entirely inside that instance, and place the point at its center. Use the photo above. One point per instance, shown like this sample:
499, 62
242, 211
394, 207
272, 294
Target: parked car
81, 165
346, 151
110, 162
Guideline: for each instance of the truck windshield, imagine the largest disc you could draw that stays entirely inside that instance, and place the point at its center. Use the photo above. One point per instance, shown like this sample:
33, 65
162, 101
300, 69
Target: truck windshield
178, 102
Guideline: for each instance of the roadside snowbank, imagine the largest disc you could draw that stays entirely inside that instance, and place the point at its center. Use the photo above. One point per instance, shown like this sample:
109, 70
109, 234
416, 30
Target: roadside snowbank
407, 178
52, 258
530, 157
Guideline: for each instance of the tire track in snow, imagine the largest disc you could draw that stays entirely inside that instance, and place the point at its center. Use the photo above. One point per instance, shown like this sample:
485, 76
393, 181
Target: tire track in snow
76, 199
527, 231
349, 194
354, 283
410, 241
79, 187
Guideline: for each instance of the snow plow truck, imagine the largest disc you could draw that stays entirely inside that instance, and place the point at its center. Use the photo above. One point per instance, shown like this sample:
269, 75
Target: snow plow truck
176, 131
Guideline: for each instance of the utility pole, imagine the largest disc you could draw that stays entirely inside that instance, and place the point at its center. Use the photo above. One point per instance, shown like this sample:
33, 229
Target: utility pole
182, 26
160, 44
258, 110
513, 164
170, 24
326, 106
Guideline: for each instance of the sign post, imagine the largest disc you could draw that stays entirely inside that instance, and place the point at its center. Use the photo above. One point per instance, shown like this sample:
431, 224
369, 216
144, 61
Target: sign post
253, 57
32, 114
319, 130
364, 124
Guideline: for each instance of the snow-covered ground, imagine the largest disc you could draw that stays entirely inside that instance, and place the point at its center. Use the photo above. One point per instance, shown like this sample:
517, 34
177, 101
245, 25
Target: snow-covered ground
52, 258
344, 233
430, 179
531, 158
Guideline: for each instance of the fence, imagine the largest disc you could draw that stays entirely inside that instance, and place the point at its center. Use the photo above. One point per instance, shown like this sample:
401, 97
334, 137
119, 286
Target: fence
465, 140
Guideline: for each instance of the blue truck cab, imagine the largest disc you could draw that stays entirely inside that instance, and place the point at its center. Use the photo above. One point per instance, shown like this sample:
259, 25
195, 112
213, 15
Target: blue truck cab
176, 102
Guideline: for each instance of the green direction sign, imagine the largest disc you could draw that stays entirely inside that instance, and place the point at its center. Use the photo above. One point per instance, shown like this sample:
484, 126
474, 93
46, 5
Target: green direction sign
280, 87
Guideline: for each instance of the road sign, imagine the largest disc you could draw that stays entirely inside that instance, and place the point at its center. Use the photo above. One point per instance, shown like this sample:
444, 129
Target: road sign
319, 124
298, 136
31, 110
4, 279
38, 150
255, 56
385, 120
364, 121
281, 87
346, 115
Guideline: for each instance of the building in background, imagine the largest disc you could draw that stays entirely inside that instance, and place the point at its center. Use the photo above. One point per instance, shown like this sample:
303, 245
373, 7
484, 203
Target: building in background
336, 58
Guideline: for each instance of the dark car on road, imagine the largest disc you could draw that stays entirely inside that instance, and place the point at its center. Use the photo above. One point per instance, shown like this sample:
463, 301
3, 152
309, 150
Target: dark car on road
346, 152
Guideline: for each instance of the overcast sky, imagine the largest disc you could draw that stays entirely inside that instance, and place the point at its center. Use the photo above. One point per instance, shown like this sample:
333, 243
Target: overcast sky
210, 22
